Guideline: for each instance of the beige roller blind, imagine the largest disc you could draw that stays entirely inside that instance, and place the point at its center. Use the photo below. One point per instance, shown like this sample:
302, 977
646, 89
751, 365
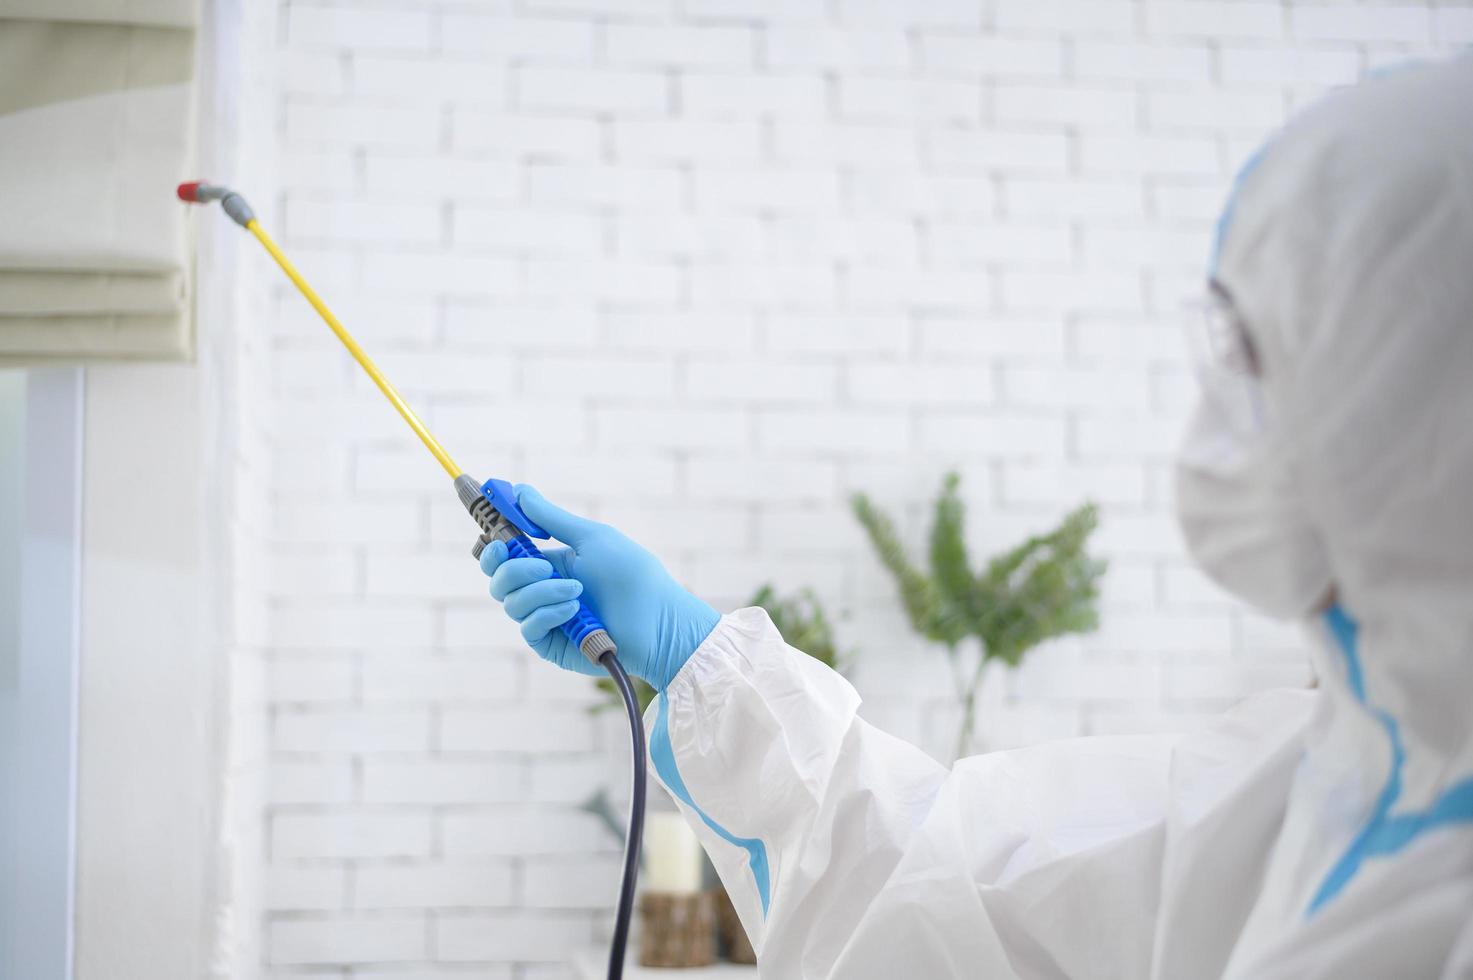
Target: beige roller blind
96, 128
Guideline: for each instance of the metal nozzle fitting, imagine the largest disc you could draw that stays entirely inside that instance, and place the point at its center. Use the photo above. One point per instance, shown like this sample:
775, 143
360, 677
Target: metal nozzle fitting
469, 492
493, 525
199, 192
596, 644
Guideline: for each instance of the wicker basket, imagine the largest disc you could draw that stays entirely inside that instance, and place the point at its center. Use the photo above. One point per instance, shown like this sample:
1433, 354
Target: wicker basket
677, 930
735, 945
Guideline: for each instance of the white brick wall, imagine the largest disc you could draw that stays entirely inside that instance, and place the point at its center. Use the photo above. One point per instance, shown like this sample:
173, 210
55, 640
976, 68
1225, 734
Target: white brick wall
235, 360
702, 268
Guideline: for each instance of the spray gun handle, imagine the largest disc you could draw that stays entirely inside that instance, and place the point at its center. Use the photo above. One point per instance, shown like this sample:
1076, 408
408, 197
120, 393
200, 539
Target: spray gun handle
494, 506
584, 630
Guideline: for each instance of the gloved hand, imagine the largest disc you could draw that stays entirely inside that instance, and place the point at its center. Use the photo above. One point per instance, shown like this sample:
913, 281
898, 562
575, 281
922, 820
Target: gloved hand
656, 624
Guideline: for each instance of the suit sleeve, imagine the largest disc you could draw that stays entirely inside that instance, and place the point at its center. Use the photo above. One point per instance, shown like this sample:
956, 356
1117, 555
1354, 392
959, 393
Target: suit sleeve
850, 853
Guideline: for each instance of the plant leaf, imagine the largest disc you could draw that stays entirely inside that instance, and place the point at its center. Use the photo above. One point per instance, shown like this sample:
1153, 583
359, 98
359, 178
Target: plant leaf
930, 612
949, 562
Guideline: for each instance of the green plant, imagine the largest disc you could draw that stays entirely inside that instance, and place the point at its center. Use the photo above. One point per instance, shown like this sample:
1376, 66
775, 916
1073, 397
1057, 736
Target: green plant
1045, 587
800, 618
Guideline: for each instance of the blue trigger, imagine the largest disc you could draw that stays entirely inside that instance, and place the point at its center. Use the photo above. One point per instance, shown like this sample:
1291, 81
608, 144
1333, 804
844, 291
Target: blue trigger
504, 498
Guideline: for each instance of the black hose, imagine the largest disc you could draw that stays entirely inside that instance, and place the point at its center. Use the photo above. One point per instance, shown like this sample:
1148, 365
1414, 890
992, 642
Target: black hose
635, 834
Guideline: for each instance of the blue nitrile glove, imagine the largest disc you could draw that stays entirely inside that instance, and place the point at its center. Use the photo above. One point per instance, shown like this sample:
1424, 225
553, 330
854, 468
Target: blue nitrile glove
655, 622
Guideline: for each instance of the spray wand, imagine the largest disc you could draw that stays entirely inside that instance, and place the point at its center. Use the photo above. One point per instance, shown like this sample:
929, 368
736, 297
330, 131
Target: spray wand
494, 507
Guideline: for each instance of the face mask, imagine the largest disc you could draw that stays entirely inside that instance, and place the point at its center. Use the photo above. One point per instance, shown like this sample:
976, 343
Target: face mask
1237, 499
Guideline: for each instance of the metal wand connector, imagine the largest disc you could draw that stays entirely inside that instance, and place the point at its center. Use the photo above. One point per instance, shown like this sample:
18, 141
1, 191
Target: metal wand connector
199, 192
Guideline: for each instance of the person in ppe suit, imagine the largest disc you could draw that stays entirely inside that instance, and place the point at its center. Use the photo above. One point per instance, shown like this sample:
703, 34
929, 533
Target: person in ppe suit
1327, 474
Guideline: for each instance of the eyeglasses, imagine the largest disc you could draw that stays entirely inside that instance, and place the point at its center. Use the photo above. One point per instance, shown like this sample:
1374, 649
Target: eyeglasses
1228, 369
1226, 343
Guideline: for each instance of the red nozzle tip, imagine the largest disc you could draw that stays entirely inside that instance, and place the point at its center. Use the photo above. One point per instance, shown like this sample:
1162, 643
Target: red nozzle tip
189, 191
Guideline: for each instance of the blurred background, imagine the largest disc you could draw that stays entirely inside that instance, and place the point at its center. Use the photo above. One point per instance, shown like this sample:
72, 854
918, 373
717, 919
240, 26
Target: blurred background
699, 268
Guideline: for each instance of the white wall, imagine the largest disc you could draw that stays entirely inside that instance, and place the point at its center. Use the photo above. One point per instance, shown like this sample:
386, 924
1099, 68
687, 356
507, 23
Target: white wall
238, 86
703, 268
173, 620
149, 719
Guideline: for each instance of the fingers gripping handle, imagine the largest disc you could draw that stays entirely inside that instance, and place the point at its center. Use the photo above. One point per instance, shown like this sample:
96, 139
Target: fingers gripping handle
494, 507
584, 629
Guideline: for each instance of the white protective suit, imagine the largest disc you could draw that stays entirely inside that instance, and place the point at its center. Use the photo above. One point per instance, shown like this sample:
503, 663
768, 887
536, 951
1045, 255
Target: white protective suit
1309, 833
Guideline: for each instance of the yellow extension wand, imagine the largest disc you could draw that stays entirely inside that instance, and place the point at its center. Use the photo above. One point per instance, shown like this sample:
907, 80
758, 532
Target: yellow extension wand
494, 506
197, 192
